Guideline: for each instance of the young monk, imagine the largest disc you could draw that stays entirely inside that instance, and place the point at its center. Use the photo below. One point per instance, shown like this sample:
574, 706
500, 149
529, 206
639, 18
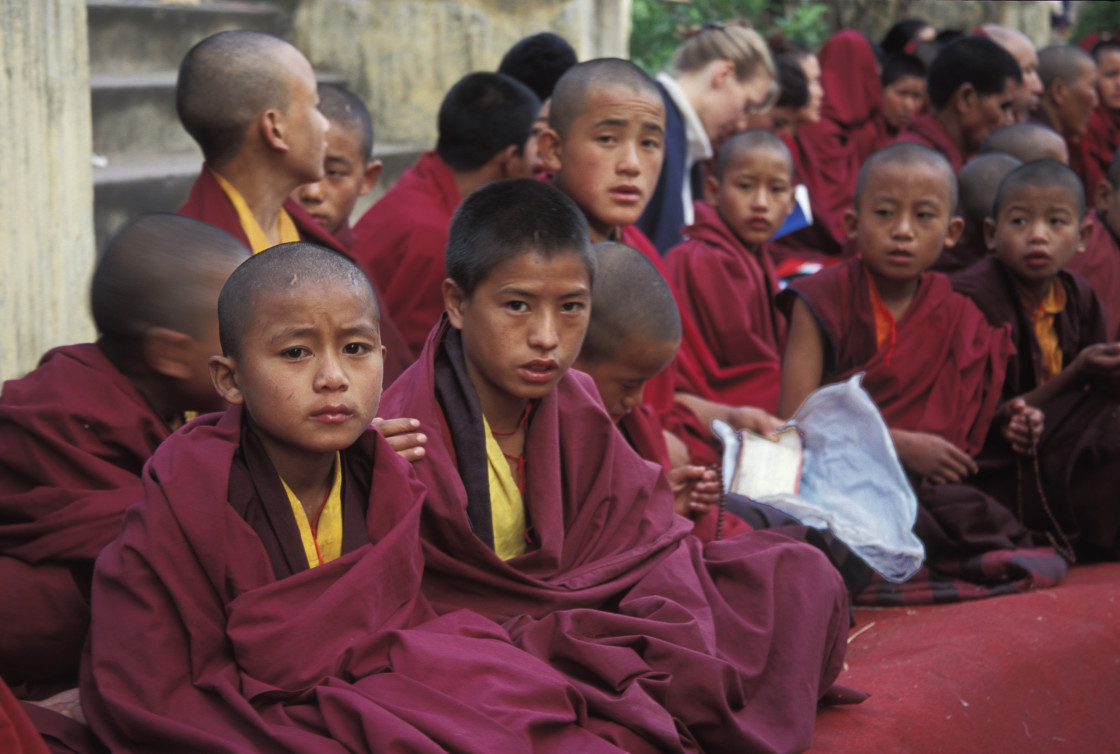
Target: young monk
903, 79
251, 102
1069, 76
1100, 261
484, 126
972, 85
75, 432
349, 169
1026, 142
1102, 136
931, 363
727, 259
604, 147
977, 182
262, 592
540, 514
1065, 364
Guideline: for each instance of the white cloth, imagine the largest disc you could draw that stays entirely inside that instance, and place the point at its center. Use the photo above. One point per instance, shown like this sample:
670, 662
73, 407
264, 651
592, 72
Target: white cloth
699, 146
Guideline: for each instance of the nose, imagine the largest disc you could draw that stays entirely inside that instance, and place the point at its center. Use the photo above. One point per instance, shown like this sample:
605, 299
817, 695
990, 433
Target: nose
628, 159
632, 398
760, 199
903, 227
331, 376
544, 333
311, 192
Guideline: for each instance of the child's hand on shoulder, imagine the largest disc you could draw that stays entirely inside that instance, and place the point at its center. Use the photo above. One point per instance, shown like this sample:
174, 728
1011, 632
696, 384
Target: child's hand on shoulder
1100, 364
695, 489
402, 436
754, 419
933, 457
1022, 425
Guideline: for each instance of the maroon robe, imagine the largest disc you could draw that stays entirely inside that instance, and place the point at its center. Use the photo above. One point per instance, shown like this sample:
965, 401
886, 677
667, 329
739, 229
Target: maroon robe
1102, 138
1079, 451
718, 647
728, 291
964, 253
1100, 265
17, 734
401, 240
817, 242
198, 645
927, 130
208, 203
1080, 161
74, 434
345, 235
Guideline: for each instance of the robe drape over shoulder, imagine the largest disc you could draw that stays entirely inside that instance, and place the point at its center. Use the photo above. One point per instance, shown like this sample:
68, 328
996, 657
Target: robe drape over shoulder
718, 647
729, 292
208, 203
1079, 451
1102, 138
821, 241
74, 435
1100, 265
196, 645
402, 239
927, 130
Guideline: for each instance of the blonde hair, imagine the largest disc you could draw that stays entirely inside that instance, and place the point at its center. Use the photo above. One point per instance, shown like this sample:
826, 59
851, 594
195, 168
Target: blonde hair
733, 40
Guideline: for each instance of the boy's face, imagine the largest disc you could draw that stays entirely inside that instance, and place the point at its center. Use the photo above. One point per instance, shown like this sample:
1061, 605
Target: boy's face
306, 127
902, 100
1037, 232
904, 220
621, 380
1108, 203
754, 195
980, 115
309, 370
611, 157
346, 177
1108, 78
522, 327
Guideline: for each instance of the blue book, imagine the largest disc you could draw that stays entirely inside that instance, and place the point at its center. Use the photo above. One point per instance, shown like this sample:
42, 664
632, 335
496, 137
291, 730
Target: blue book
800, 217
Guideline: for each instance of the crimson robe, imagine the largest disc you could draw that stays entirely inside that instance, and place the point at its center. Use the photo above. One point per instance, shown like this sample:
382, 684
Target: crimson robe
718, 647
1100, 265
1079, 450
74, 434
962, 254
1101, 141
17, 734
728, 292
208, 203
927, 130
401, 240
198, 645
821, 240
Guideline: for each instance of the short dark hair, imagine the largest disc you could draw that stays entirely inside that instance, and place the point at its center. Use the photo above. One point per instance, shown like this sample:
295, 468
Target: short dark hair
899, 67
970, 60
280, 268
504, 219
1105, 45
482, 114
1041, 173
900, 34
1025, 141
1062, 63
978, 182
538, 62
793, 83
745, 141
569, 100
907, 153
345, 109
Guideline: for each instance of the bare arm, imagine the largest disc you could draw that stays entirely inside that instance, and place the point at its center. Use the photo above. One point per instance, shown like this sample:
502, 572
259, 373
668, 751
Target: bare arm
739, 417
803, 361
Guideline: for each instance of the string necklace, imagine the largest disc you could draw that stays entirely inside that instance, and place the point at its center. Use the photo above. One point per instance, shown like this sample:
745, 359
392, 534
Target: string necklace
1058, 538
520, 458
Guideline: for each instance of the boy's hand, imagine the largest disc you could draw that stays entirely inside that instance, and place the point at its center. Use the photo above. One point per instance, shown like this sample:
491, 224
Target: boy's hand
1100, 364
695, 489
402, 437
1023, 425
933, 457
754, 419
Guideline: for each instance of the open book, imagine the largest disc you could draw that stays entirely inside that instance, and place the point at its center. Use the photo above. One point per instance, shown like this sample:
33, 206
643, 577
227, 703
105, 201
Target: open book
768, 467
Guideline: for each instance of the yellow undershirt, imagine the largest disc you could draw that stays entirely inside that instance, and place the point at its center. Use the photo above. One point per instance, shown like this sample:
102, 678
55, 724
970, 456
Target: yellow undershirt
327, 535
258, 241
1051, 306
507, 509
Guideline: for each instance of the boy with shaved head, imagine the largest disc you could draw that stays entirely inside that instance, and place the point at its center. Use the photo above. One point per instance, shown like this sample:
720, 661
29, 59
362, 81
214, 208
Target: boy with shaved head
251, 102
977, 181
75, 432
1026, 142
263, 594
1069, 76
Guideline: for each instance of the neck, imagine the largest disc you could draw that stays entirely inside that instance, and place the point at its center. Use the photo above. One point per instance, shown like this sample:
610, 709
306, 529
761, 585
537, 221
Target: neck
1031, 294
1054, 114
263, 189
600, 232
163, 401
956, 134
896, 295
468, 181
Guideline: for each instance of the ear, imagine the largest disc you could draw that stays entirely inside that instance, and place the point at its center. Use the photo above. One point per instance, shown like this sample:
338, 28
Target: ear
371, 176
167, 352
1084, 235
990, 233
1103, 195
1058, 92
551, 148
721, 70
953, 233
273, 130
454, 301
851, 223
965, 99
510, 162
711, 190
223, 374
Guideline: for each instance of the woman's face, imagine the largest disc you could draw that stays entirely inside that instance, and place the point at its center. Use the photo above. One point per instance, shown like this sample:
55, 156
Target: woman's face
730, 101
811, 113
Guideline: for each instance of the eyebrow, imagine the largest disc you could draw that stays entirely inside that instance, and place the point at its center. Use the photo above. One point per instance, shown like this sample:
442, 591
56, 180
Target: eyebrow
297, 331
522, 293
337, 158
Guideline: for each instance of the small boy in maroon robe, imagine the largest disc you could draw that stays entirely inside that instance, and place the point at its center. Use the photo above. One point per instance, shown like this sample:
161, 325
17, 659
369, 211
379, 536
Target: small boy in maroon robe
1026, 142
1099, 263
349, 169
972, 85
1065, 364
541, 515
263, 594
931, 363
1102, 137
75, 432
725, 275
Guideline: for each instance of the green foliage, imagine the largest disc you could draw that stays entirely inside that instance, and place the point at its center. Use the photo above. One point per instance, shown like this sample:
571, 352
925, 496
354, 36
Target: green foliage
1096, 17
657, 24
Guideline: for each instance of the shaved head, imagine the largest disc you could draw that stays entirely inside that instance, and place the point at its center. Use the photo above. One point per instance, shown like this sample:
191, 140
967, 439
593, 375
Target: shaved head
225, 82
1062, 63
1041, 173
978, 181
346, 110
1027, 142
630, 303
749, 141
907, 154
574, 89
278, 270
160, 271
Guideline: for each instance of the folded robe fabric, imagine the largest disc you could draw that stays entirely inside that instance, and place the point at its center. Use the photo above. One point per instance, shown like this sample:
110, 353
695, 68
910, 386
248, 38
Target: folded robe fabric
197, 646
1100, 265
74, 435
718, 647
927, 130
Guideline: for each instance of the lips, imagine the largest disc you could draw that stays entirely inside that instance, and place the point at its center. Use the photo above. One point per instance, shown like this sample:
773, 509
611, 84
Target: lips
900, 256
1037, 259
626, 194
539, 371
334, 414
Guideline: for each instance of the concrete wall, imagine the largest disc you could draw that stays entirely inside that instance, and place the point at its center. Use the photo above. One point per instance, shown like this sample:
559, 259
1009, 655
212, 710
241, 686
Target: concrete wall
46, 197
